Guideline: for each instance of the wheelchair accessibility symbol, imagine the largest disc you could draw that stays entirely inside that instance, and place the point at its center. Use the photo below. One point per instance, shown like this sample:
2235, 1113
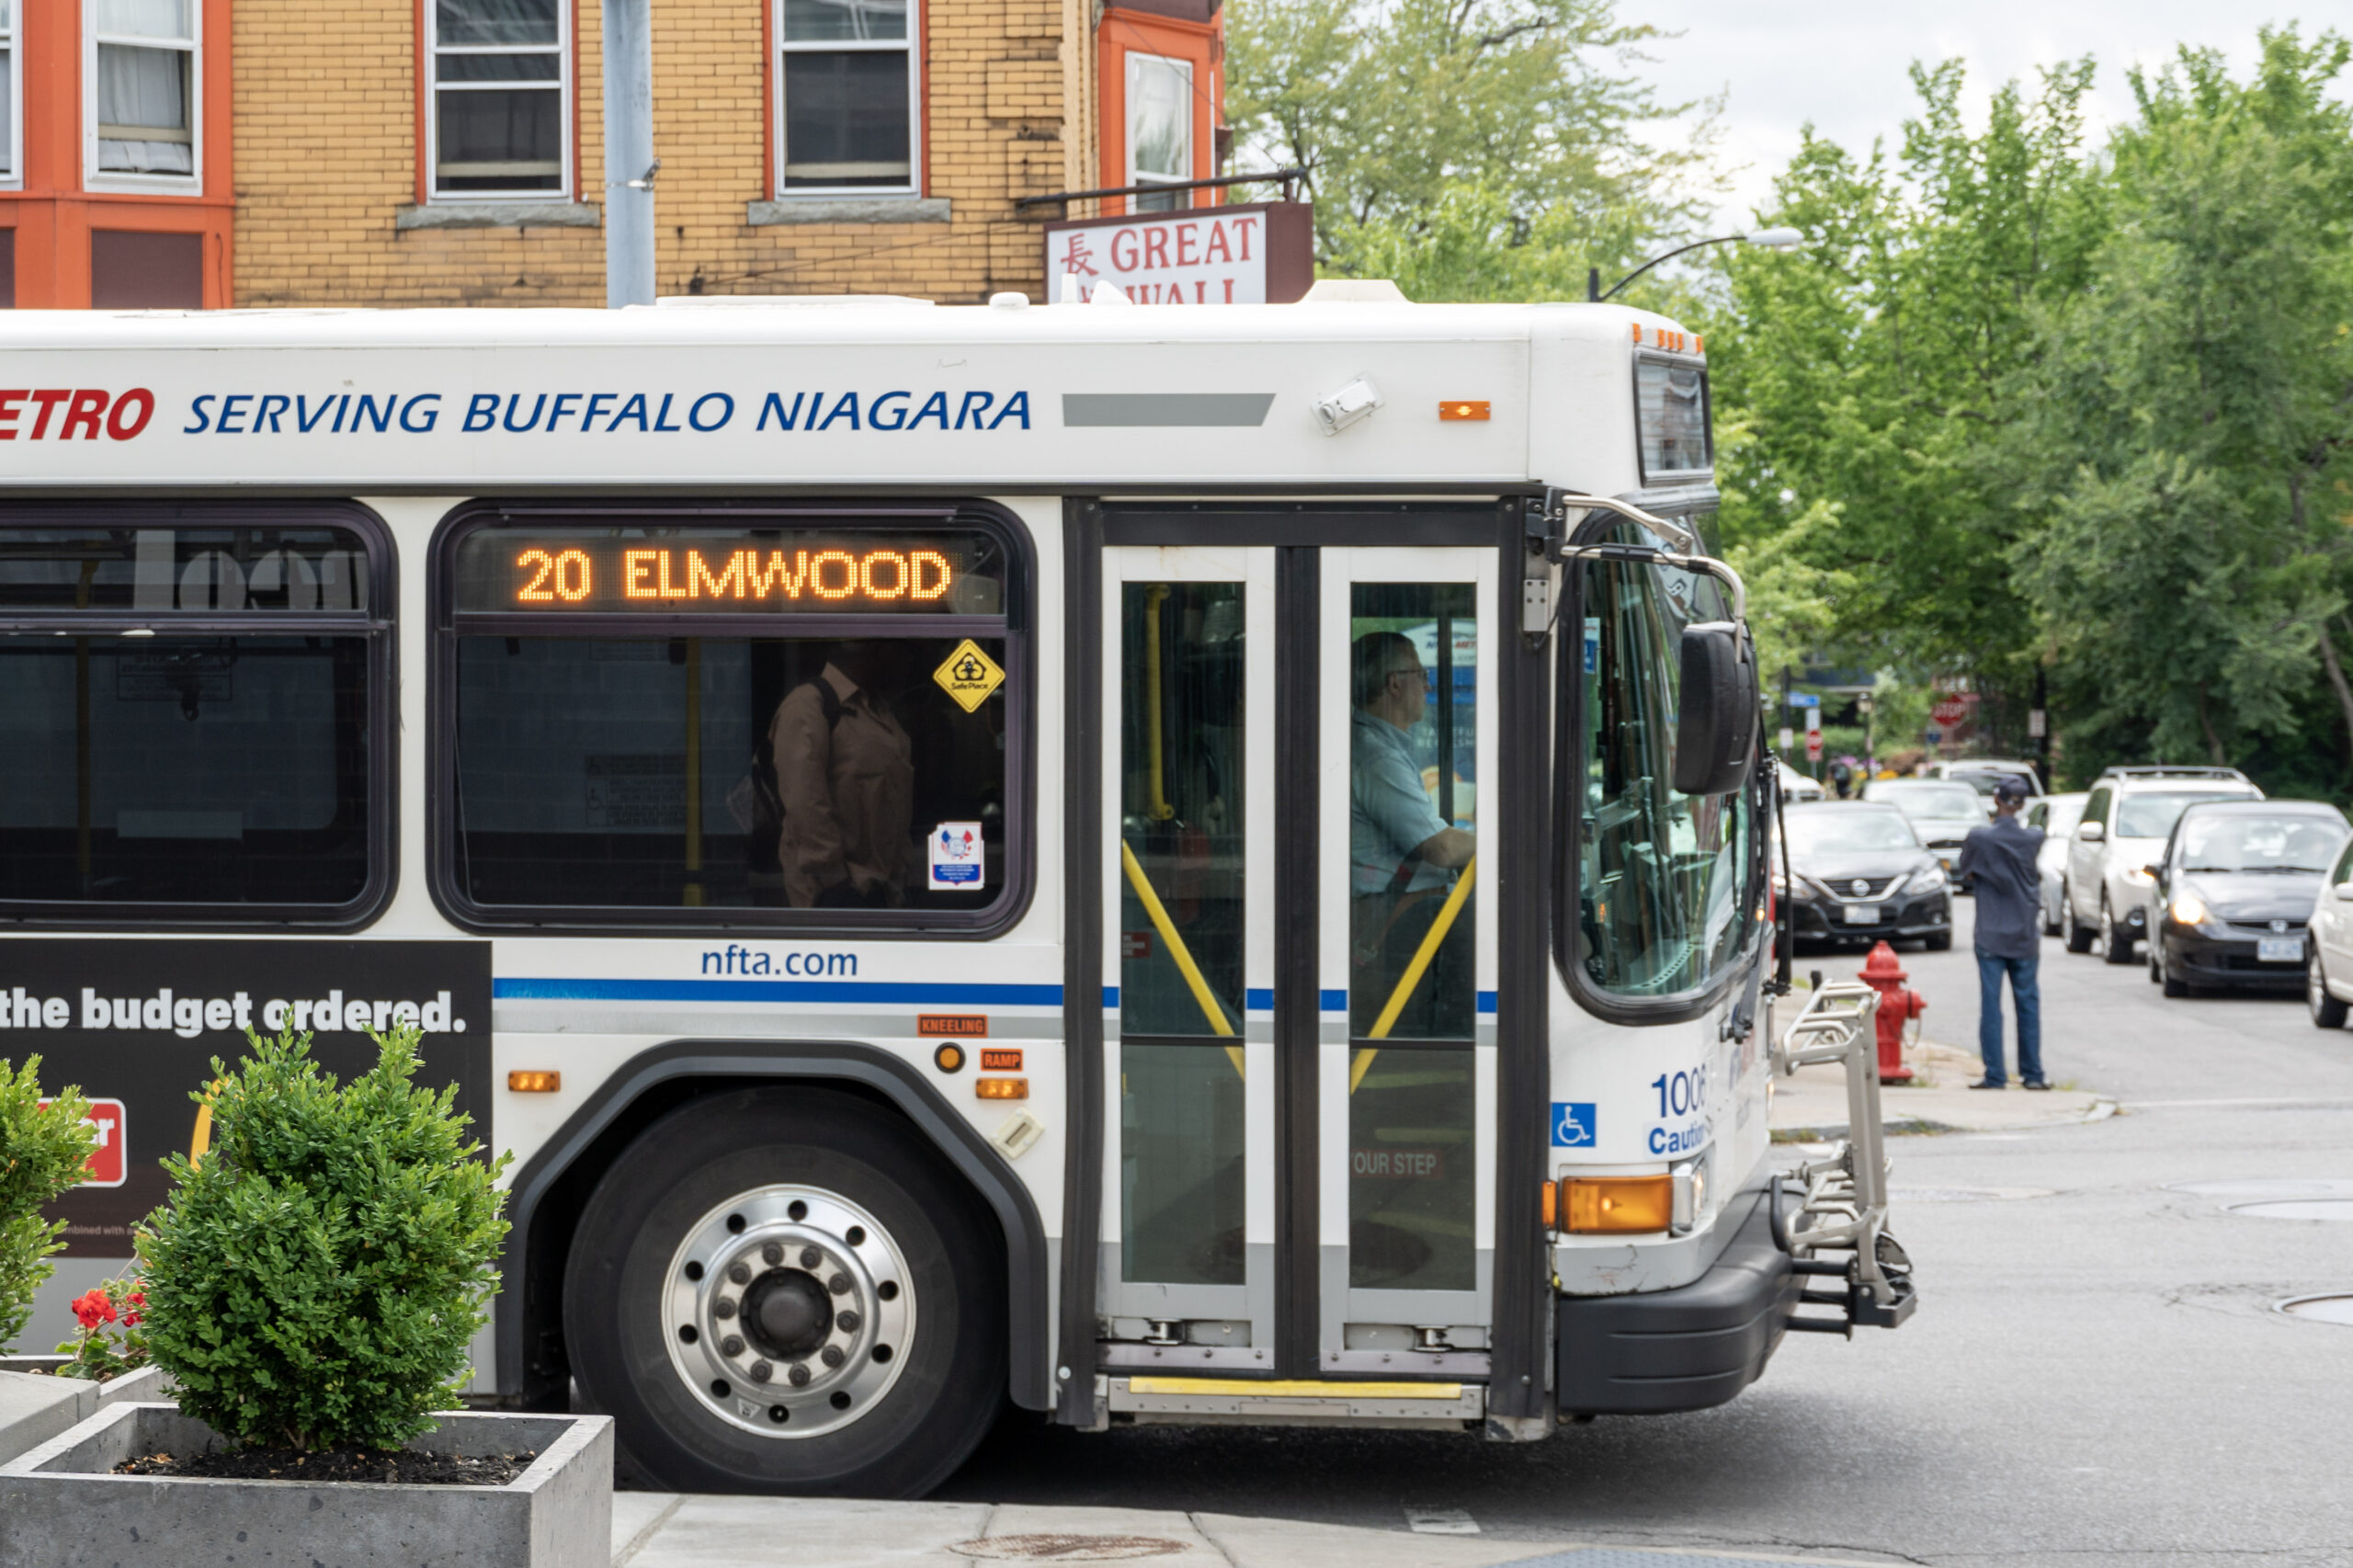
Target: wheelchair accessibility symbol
1573, 1124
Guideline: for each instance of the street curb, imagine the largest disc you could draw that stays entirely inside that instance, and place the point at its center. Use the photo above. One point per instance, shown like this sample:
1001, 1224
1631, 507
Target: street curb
2101, 1110
1893, 1127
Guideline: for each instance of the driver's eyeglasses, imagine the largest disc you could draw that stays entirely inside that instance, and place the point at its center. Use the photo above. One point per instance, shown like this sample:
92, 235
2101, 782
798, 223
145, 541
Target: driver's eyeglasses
1413, 673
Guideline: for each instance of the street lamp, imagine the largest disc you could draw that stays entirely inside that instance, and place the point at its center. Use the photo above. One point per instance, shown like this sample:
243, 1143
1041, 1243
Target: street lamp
1771, 239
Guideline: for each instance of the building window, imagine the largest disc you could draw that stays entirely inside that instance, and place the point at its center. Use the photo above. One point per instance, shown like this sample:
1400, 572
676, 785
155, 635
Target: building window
9, 95
1160, 128
501, 96
845, 96
142, 89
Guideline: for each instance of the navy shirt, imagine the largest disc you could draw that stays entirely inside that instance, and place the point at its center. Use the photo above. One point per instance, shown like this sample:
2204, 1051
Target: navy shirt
1997, 861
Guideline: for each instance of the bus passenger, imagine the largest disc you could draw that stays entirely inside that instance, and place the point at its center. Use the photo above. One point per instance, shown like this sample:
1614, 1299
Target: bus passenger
845, 774
1403, 854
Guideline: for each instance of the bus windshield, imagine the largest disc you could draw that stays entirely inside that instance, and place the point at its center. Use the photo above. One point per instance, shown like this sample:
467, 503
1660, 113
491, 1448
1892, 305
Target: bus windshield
1661, 876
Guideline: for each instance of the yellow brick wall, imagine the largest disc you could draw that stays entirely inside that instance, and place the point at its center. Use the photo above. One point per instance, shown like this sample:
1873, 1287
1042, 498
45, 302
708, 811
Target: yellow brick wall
328, 145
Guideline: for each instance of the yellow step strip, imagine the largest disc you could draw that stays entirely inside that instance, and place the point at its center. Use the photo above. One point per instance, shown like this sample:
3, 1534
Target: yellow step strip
1294, 1390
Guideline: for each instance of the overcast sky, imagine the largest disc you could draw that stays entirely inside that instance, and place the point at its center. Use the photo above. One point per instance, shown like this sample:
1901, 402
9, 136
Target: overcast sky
1841, 63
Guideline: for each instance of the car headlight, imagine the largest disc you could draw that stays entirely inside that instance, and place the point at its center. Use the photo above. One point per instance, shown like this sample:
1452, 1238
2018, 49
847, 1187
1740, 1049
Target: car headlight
1927, 879
2139, 876
2186, 909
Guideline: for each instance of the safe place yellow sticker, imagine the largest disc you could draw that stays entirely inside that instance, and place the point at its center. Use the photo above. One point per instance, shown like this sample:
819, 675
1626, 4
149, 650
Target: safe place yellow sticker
969, 675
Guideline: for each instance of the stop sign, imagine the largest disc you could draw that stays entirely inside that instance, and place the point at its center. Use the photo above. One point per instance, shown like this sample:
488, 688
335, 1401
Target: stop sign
1950, 710
1813, 746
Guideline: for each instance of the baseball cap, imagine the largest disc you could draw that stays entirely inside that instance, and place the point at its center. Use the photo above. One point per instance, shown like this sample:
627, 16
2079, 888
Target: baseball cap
2011, 788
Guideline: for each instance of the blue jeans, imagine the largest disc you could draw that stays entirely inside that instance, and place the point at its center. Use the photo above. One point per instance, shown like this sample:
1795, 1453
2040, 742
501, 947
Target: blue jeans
2029, 997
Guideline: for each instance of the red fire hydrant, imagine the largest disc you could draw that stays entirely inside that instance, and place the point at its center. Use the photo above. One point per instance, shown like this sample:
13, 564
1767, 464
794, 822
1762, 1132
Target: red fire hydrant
1897, 1006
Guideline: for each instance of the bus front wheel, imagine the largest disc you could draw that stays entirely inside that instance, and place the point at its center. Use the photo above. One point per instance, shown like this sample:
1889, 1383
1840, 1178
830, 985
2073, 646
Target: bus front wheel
785, 1291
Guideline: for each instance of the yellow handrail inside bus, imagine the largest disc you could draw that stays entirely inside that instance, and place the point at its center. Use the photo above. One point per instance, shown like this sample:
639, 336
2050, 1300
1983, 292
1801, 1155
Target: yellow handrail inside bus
1160, 810
1178, 950
1414, 970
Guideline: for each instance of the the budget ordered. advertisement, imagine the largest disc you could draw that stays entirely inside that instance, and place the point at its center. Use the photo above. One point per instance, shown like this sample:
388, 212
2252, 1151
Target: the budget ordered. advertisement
136, 1023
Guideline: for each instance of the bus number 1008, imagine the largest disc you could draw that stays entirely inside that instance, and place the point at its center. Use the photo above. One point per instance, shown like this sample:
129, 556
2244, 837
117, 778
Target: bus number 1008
1681, 1094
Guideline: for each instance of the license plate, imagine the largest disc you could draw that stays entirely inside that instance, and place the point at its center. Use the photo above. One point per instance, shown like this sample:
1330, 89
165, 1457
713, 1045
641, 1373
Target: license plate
1862, 913
2279, 949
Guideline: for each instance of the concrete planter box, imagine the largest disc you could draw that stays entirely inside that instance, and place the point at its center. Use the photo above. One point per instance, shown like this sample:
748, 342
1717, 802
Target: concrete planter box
36, 1404
62, 1507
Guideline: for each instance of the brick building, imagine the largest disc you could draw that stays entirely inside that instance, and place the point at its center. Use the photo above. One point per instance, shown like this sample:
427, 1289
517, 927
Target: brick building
449, 152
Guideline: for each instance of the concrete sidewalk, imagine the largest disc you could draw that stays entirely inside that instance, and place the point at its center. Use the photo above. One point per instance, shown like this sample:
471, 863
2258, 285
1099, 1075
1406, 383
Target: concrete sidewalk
1809, 1104
654, 1529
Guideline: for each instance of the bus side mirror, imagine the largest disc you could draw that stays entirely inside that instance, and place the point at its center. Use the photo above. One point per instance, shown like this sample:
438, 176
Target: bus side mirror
1715, 728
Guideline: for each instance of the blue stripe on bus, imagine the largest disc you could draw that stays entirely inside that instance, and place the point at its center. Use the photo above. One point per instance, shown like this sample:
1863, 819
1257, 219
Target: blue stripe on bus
939, 994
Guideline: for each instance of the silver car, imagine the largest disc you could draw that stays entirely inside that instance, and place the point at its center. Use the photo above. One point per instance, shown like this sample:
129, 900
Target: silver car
2056, 815
1943, 814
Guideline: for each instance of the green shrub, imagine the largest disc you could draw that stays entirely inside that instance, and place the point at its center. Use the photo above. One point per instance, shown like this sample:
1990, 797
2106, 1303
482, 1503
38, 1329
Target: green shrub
42, 1154
315, 1278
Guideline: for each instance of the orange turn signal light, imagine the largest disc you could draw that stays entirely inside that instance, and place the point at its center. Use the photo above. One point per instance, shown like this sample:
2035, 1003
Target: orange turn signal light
1621, 1203
1551, 1206
534, 1083
1002, 1089
949, 1059
1462, 408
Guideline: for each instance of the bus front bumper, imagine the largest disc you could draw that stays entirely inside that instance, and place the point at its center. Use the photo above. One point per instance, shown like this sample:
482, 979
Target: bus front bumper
1687, 1349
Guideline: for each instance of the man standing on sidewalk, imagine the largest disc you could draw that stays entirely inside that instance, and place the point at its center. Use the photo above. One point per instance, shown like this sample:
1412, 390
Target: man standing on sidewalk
1997, 864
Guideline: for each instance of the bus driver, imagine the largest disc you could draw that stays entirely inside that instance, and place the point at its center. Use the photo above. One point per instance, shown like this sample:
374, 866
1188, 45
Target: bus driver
1403, 854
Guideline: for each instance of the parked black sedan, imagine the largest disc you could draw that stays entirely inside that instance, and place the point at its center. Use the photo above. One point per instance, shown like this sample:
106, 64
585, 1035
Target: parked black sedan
2234, 891
1862, 874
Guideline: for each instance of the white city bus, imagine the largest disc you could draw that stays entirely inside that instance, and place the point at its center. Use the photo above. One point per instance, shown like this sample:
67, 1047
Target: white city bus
1195, 865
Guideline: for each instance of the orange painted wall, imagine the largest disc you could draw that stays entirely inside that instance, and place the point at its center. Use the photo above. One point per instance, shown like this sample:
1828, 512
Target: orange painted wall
52, 212
1122, 33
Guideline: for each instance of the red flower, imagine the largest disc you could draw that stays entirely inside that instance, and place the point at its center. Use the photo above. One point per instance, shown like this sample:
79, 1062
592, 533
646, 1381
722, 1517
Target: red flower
92, 1308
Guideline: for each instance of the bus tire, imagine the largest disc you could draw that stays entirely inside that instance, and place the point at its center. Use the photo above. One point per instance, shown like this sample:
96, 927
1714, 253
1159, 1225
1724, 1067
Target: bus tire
787, 1290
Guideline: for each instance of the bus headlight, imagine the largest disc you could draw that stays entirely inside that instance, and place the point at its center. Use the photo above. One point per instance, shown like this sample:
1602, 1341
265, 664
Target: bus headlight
1690, 1179
1620, 1203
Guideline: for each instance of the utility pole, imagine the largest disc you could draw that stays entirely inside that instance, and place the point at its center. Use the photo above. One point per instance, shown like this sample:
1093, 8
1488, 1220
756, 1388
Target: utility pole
630, 163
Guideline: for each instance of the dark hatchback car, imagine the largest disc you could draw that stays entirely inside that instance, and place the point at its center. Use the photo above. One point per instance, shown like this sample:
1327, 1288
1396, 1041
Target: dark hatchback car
1860, 874
2234, 891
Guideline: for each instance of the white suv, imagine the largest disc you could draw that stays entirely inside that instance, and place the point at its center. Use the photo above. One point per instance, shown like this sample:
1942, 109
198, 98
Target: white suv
2125, 827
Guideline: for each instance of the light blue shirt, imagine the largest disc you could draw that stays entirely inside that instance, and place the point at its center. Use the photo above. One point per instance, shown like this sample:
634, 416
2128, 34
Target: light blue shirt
1390, 814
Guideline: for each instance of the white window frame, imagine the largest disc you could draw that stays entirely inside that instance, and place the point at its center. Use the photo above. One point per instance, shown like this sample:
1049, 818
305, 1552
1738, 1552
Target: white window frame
1128, 133
12, 39
96, 179
561, 49
911, 46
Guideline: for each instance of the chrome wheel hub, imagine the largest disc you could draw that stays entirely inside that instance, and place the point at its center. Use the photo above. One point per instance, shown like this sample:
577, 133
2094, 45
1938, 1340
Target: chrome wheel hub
788, 1311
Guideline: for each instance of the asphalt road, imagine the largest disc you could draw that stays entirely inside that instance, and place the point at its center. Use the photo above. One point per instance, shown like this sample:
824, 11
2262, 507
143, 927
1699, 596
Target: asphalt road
2095, 1375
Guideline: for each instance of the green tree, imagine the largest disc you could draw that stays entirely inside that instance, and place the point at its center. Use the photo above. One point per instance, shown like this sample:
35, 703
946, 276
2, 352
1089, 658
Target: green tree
2188, 464
1877, 368
1485, 149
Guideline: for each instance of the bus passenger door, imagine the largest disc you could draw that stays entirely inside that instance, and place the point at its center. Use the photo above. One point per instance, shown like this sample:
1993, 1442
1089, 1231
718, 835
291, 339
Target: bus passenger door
1188, 1257
1406, 959
1300, 1081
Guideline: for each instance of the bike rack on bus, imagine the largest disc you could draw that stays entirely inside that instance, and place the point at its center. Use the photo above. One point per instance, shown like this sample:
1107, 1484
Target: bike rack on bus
1842, 1201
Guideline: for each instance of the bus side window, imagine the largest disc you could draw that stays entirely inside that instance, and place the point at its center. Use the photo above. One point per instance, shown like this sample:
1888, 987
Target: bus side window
749, 753
179, 773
